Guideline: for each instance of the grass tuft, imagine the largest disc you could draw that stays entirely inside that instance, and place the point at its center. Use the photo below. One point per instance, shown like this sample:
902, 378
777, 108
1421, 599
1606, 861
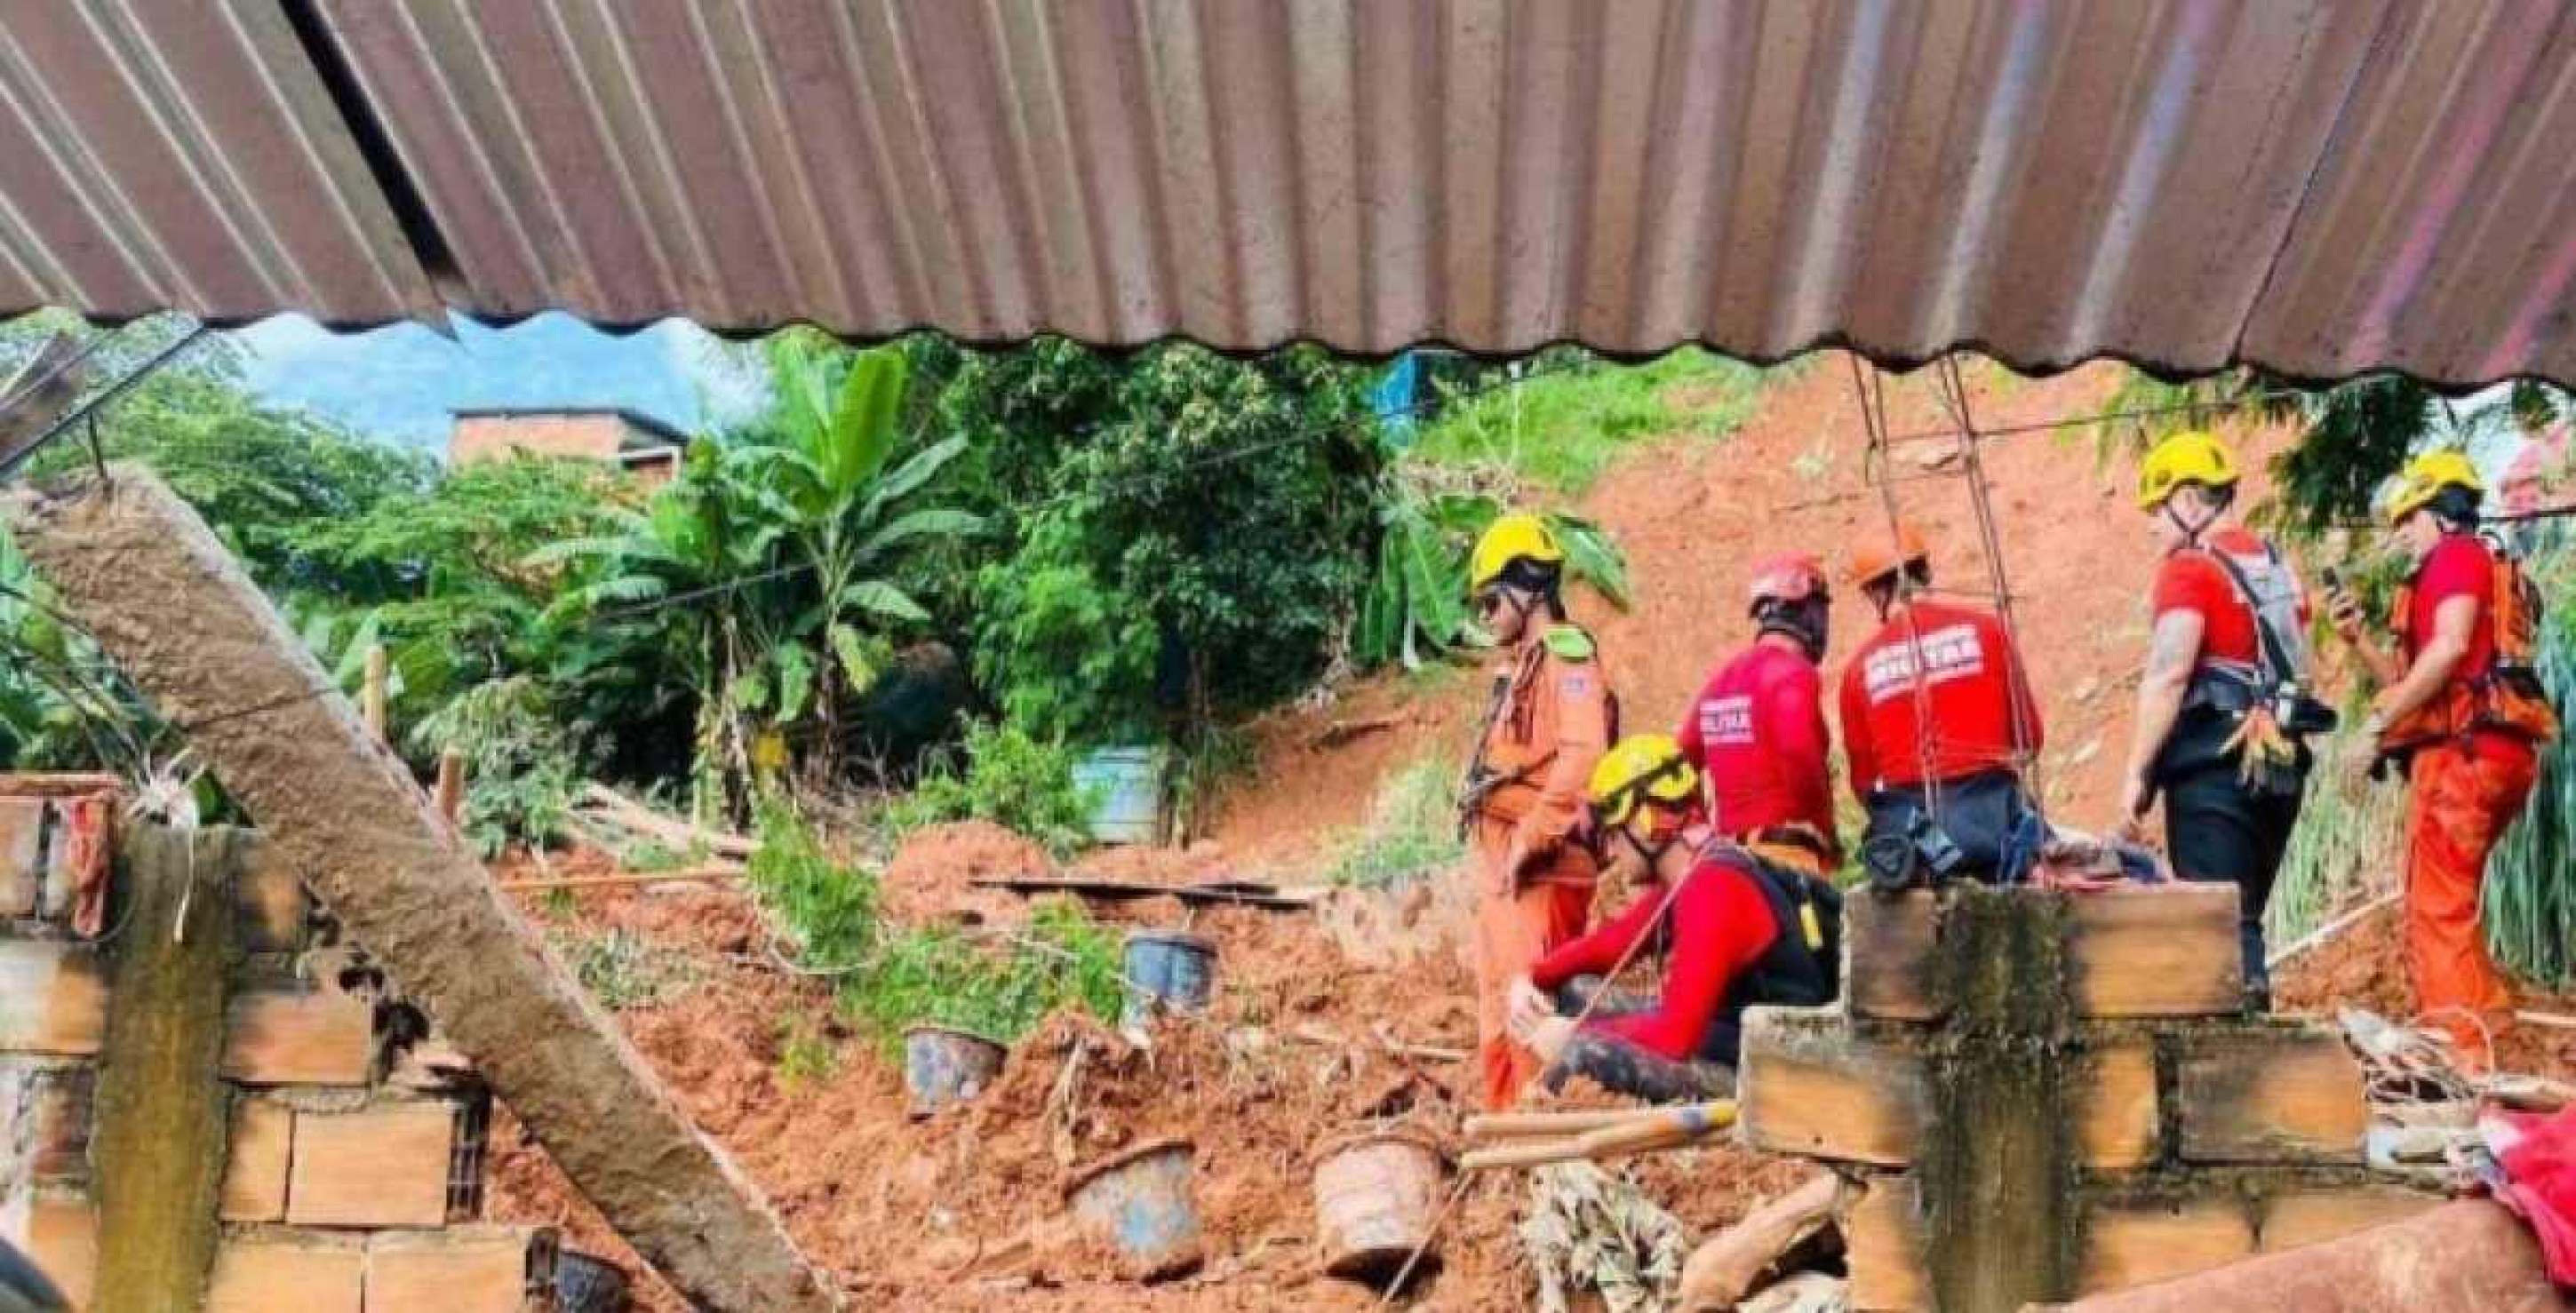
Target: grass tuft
1562, 429
1412, 831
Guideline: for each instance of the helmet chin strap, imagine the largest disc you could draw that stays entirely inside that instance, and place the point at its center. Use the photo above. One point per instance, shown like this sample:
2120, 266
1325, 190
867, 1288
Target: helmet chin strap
2190, 532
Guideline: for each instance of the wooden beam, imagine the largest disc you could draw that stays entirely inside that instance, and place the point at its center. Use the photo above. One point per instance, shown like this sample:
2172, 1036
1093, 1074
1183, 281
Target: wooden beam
164, 598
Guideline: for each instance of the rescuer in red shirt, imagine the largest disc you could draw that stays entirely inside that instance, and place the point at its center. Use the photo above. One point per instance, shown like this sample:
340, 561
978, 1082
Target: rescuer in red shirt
2462, 708
1738, 931
1938, 724
1756, 732
2219, 727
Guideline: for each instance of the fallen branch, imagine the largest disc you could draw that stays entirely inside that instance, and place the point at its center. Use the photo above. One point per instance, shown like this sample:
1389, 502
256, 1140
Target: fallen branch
1343, 731
2555, 1020
622, 879
621, 810
2331, 929
1321, 1037
1724, 1269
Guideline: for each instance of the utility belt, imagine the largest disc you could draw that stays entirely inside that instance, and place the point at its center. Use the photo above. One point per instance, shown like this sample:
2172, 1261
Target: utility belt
2232, 716
1990, 831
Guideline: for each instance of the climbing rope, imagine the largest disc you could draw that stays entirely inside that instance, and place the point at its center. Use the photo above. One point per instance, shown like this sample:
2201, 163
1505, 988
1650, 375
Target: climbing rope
1953, 388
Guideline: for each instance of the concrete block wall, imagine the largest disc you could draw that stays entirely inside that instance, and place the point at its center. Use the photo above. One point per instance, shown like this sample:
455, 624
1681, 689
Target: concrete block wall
341, 1188
2182, 1132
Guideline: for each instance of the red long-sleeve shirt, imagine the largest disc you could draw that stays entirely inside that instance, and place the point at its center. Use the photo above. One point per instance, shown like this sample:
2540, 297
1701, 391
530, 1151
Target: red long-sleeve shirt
1967, 676
1758, 731
1722, 925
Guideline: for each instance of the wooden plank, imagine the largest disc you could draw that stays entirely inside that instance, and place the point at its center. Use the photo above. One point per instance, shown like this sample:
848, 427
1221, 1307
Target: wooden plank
2271, 1093
383, 1165
293, 1035
133, 564
1245, 892
53, 998
2158, 951
259, 1148
273, 1272
478, 1269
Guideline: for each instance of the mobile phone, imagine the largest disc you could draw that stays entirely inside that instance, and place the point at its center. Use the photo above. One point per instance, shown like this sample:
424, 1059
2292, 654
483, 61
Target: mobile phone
2334, 582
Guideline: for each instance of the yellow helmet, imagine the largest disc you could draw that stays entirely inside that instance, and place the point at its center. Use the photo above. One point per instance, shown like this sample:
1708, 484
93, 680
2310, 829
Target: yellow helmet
1640, 766
1516, 537
2426, 476
2191, 456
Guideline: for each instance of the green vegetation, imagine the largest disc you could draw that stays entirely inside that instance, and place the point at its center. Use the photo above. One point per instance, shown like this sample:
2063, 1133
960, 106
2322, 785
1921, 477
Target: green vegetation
1577, 414
1412, 830
2530, 904
1010, 779
623, 969
891, 976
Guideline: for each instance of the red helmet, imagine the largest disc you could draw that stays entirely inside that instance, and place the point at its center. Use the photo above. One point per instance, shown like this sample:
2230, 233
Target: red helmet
1789, 577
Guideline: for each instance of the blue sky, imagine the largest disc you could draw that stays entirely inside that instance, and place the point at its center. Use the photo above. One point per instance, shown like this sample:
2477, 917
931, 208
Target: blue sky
399, 382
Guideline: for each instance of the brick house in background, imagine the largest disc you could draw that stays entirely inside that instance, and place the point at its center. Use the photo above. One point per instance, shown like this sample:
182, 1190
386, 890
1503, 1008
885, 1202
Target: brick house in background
642, 445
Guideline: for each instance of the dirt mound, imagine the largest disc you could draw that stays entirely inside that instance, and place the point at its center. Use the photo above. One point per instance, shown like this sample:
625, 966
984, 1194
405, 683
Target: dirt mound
932, 875
2365, 967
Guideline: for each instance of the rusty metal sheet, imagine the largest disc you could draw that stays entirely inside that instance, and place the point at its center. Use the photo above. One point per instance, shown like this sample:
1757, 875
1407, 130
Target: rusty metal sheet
184, 154
2324, 187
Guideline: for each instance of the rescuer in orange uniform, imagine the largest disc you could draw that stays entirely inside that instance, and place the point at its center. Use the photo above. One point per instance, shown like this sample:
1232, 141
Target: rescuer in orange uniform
2461, 708
1548, 720
1937, 721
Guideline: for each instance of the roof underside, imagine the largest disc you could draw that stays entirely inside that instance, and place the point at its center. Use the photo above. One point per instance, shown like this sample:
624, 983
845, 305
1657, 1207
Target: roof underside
2319, 187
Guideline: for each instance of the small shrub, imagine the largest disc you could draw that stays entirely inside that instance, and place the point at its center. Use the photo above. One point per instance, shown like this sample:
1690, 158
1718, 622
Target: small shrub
1011, 779
1562, 428
805, 1057
893, 976
623, 969
1412, 832
521, 766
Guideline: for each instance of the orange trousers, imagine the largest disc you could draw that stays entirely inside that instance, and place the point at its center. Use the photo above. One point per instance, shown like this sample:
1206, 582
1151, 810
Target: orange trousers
1514, 929
2462, 798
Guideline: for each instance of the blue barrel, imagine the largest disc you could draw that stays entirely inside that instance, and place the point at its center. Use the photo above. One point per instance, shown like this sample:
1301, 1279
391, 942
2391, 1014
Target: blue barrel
1166, 970
943, 1065
1141, 1202
1126, 787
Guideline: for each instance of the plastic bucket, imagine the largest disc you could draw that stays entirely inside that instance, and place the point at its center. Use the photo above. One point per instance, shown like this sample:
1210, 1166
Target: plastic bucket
943, 1066
1375, 1196
1127, 787
1171, 970
1142, 1203
584, 1284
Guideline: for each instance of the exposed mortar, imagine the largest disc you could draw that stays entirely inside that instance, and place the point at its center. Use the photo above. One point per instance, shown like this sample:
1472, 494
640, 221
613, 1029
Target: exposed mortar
159, 1137
2001, 1169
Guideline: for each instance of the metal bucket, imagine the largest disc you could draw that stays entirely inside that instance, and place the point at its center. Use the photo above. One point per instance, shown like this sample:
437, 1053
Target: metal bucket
1375, 1196
943, 1066
1141, 1202
1167, 969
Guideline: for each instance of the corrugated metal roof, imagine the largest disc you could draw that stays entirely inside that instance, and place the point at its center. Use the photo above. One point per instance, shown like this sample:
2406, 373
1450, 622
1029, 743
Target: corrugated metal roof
185, 155
2319, 186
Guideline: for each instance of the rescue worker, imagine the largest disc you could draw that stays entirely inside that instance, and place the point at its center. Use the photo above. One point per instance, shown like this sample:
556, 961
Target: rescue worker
1937, 719
1548, 720
2461, 709
1737, 931
1756, 732
2222, 708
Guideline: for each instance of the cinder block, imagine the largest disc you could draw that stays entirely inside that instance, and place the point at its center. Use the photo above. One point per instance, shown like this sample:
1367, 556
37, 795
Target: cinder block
1811, 1087
60, 1237
53, 998
2159, 951
1883, 1237
22, 854
476, 1269
269, 904
273, 1272
2116, 1109
382, 1165
2270, 1093
2133, 1243
255, 1162
298, 1036
2307, 1217
1889, 946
